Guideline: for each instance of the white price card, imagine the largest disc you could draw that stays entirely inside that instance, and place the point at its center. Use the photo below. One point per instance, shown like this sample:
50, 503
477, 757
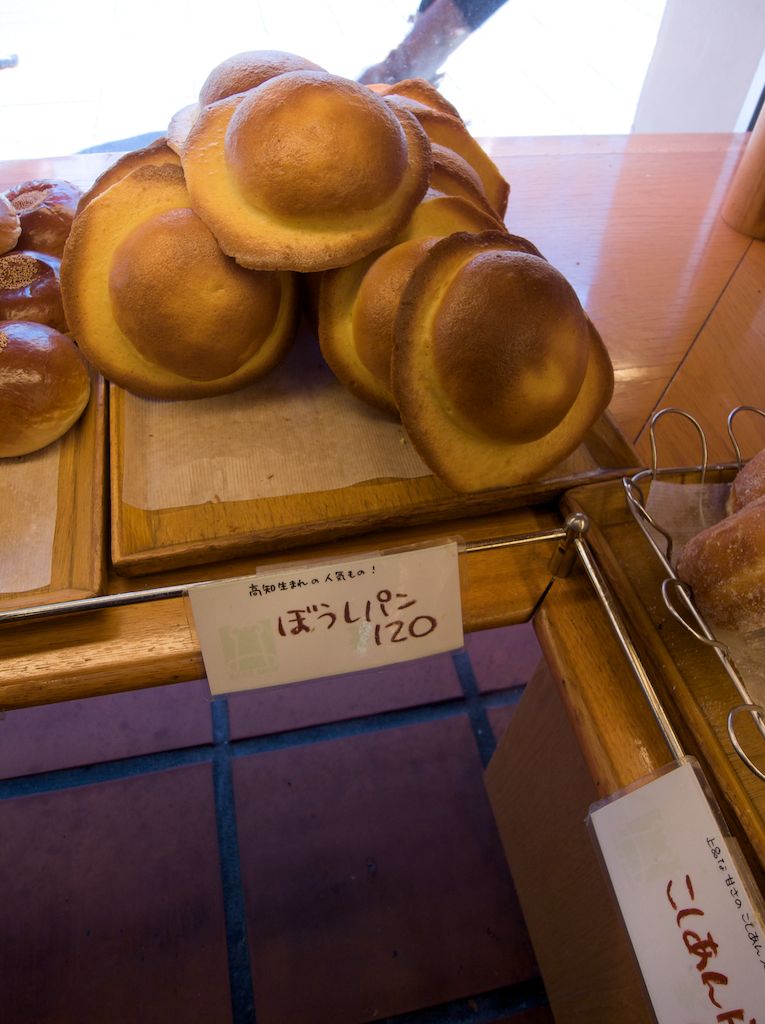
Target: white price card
695, 922
324, 619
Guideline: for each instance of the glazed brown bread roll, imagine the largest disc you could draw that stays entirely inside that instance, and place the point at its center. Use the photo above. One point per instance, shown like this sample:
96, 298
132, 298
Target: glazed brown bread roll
30, 289
46, 209
44, 386
724, 566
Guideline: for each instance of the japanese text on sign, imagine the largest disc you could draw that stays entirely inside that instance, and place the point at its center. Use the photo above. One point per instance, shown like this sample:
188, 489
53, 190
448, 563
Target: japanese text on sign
328, 619
692, 922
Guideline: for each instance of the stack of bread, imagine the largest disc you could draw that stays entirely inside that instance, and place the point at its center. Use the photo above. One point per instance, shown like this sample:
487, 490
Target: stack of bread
44, 380
724, 565
285, 188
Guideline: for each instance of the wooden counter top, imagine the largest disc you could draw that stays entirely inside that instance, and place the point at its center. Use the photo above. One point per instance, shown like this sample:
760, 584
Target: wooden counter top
634, 223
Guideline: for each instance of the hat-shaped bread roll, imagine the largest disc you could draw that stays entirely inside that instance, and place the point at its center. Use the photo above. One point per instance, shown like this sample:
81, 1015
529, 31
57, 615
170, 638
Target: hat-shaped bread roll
497, 371
450, 132
155, 304
237, 73
306, 172
358, 304
156, 153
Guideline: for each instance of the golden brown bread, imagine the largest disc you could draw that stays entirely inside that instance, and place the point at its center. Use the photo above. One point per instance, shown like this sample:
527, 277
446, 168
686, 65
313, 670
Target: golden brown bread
156, 306
358, 304
450, 132
156, 153
419, 89
307, 172
44, 386
724, 566
749, 483
46, 209
10, 226
237, 73
247, 70
497, 371
30, 288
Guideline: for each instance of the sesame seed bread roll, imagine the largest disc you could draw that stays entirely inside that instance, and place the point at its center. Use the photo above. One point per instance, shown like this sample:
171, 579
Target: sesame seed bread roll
46, 209
30, 289
44, 386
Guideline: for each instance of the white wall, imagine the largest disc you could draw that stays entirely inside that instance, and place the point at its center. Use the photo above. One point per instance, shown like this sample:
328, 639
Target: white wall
706, 72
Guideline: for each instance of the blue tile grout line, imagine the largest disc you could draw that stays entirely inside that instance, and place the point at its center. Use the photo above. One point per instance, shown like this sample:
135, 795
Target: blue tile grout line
479, 720
127, 767
234, 908
481, 1009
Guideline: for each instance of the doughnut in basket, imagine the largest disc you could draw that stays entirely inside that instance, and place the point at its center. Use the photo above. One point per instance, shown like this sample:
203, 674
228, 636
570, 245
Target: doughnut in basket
46, 209
497, 371
724, 565
44, 386
156, 306
30, 288
307, 172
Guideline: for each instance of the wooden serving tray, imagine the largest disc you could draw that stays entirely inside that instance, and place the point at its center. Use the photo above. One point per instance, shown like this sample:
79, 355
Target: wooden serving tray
52, 519
147, 540
693, 686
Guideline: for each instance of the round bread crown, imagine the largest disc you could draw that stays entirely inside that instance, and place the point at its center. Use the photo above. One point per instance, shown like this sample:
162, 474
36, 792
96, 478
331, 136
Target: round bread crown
307, 172
497, 371
155, 304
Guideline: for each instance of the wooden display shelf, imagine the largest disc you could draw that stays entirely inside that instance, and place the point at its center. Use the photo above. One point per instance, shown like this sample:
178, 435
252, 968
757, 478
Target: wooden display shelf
147, 540
72, 518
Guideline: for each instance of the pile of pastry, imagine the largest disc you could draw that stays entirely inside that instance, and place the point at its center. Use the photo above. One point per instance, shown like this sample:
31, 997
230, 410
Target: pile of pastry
286, 189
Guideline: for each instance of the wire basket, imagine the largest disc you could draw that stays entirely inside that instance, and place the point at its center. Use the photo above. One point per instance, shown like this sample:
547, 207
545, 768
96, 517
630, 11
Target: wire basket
676, 594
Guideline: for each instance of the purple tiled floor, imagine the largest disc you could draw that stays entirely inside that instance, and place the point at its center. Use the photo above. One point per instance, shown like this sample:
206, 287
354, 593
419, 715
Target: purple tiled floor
370, 866
504, 657
373, 873
105, 728
112, 908
338, 698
